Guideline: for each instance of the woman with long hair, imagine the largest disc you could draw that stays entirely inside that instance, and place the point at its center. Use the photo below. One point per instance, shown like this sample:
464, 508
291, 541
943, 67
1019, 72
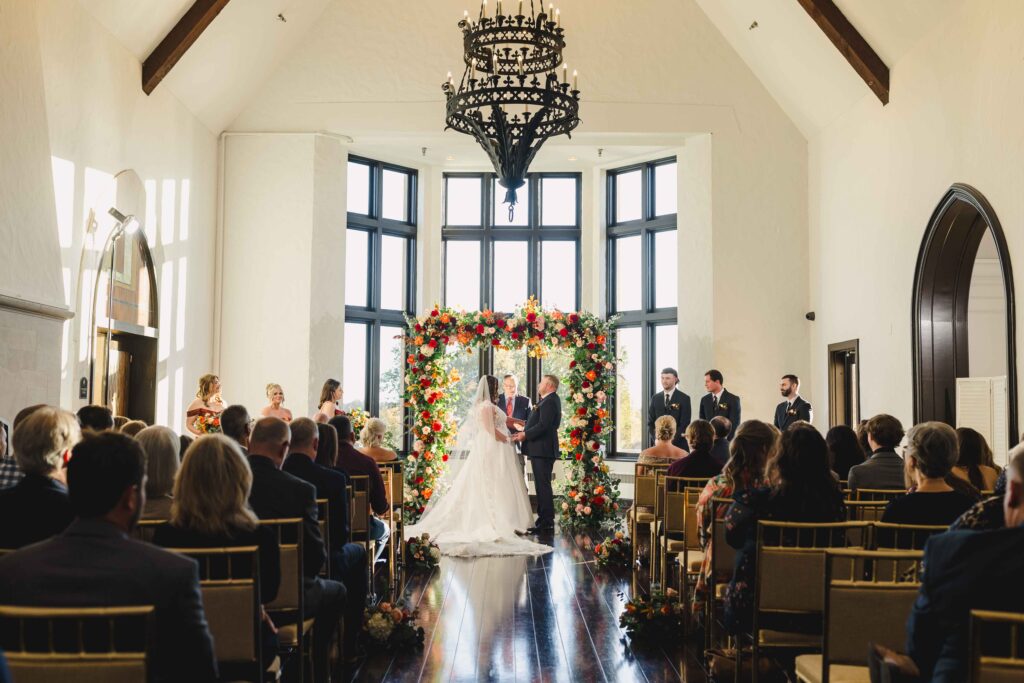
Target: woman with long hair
203, 414
844, 450
372, 437
161, 446
975, 463
327, 448
275, 394
330, 394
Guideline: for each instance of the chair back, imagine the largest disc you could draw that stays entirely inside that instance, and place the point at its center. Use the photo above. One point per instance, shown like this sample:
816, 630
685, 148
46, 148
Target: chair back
288, 531
887, 536
865, 510
359, 517
672, 501
323, 520
82, 644
723, 555
645, 484
861, 610
229, 579
145, 528
997, 647
878, 494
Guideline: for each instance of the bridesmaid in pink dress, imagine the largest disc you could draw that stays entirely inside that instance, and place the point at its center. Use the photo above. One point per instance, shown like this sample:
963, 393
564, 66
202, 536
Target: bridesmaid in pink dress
276, 395
207, 403
329, 397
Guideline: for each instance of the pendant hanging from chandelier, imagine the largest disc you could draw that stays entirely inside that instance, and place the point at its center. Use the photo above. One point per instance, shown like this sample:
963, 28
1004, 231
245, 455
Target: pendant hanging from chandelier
510, 97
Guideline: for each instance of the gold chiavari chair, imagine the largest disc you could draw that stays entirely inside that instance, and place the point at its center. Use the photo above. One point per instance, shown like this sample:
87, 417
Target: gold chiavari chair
865, 510
359, 519
145, 528
878, 494
645, 498
293, 636
394, 484
997, 647
691, 558
668, 531
859, 611
723, 557
885, 536
83, 644
323, 519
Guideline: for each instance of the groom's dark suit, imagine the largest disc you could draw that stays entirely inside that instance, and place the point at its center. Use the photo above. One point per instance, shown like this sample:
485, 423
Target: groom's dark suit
541, 447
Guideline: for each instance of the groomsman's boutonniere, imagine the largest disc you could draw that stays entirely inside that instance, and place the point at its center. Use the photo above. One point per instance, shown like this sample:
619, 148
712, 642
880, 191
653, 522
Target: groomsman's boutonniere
791, 411
723, 405
674, 406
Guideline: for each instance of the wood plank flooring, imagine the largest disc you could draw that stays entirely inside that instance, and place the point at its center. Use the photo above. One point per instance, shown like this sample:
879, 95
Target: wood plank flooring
552, 618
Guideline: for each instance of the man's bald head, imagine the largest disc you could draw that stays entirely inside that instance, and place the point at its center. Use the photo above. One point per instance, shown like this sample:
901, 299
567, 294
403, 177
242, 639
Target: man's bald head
305, 436
270, 438
1013, 499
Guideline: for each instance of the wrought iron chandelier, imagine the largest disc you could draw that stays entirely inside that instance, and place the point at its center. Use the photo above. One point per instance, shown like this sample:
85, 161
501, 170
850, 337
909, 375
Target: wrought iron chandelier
510, 97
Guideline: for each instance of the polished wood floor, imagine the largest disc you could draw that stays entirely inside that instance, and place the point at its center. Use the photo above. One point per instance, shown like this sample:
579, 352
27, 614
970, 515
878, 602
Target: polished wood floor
552, 618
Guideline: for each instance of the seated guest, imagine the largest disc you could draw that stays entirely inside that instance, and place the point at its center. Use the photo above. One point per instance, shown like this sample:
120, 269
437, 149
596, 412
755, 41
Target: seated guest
930, 455
37, 507
278, 495
236, 424
964, 570
663, 452
185, 440
348, 560
975, 463
372, 438
120, 421
723, 428
884, 469
9, 472
802, 489
698, 463
211, 510
987, 514
95, 562
327, 446
96, 418
354, 464
844, 450
161, 447
132, 427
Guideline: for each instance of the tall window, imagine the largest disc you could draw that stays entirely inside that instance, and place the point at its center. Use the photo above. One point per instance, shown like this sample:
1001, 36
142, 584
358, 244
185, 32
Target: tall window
643, 289
380, 278
492, 261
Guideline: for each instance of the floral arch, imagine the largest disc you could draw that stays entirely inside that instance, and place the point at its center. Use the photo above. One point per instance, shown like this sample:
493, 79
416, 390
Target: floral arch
589, 495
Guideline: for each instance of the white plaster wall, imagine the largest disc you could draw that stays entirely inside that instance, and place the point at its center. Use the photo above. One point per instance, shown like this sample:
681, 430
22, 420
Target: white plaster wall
876, 175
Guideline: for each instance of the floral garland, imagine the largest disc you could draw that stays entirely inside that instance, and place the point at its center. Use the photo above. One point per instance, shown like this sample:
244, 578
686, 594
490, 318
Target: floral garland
429, 383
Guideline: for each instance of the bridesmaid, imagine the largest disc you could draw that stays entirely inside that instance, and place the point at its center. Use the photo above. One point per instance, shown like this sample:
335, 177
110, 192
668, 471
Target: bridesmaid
276, 395
207, 402
329, 397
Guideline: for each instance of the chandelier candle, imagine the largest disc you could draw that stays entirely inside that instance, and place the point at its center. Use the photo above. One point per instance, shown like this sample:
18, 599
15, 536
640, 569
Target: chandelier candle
518, 57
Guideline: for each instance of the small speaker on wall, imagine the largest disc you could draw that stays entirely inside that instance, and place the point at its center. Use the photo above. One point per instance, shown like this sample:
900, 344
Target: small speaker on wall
809, 315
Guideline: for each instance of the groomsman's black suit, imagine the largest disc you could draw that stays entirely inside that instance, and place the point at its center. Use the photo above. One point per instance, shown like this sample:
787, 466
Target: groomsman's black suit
541, 447
678, 406
728, 406
786, 414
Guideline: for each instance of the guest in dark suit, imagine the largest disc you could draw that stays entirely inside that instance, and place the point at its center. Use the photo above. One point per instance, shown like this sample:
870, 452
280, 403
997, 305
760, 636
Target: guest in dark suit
793, 408
540, 439
356, 464
95, 563
37, 507
964, 570
276, 495
884, 469
718, 401
348, 560
670, 401
720, 451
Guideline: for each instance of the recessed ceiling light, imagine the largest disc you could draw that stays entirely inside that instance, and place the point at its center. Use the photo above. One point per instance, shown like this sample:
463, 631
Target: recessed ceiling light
572, 158
450, 157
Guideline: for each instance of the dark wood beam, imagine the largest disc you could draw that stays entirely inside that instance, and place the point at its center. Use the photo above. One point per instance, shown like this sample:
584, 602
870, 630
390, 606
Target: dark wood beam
848, 40
176, 43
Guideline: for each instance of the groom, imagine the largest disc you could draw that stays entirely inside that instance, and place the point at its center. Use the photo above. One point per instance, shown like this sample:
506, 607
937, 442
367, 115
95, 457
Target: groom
540, 444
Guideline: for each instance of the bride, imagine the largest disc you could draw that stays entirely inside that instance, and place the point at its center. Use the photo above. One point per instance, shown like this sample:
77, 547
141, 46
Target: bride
487, 502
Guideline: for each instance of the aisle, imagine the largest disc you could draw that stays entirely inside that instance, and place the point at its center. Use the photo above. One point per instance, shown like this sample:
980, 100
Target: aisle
553, 618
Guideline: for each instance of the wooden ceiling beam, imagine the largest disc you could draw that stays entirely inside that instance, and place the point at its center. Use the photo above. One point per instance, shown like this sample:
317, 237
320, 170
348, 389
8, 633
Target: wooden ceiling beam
176, 43
851, 44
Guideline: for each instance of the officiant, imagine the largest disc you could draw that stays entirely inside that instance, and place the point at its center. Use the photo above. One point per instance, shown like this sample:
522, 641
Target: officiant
514, 406
670, 401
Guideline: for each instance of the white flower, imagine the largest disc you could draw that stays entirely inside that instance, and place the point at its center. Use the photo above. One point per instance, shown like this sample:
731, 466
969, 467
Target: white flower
426, 350
578, 398
411, 458
435, 553
489, 330
590, 394
380, 626
426, 430
565, 506
579, 343
417, 445
579, 507
607, 366
593, 356
429, 470
601, 396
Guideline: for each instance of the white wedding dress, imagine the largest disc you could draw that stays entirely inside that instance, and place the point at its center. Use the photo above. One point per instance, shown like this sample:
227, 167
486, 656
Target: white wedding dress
487, 501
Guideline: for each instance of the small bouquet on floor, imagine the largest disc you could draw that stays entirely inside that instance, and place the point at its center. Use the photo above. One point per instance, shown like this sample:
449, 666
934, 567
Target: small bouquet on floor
614, 552
388, 626
421, 552
208, 423
654, 618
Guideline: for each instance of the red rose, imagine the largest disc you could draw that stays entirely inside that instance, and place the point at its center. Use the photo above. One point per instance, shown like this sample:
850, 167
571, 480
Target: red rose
432, 343
500, 324
579, 456
572, 364
495, 342
415, 454
415, 371
597, 500
425, 382
591, 346
564, 332
444, 458
515, 335
426, 414
540, 335
419, 328
586, 384
436, 426
434, 313
479, 329
597, 428
444, 339
431, 399
531, 316
575, 433
581, 411
422, 508
422, 357
573, 318
419, 480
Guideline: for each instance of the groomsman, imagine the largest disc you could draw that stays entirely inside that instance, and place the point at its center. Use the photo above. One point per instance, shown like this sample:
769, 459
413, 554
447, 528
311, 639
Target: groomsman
793, 408
670, 401
515, 407
718, 401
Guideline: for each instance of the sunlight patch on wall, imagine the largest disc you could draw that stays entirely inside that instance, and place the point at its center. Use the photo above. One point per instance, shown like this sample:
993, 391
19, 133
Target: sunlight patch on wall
183, 210
179, 398
179, 325
166, 297
161, 400
96, 186
151, 201
167, 193
64, 196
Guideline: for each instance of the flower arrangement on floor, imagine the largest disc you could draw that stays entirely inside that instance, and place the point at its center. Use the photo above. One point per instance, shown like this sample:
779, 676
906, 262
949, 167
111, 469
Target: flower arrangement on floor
421, 552
388, 626
654, 618
615, 551
208, 423
430, 385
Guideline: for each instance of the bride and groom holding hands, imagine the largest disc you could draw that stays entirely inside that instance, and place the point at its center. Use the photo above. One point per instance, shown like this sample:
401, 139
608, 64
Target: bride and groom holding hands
487, 508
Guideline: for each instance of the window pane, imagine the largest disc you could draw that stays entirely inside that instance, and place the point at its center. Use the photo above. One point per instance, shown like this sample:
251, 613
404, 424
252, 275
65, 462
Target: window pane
558, 275
666, 349
556, 363
666, 270
354, 367
522, 213
358, 188
628, 274
466, 362
357, 266
392, 370
462, 275
628, 197
511, 363
629, 389
665, 189
559, 201
510, 275
462, 201
396, 195
394, 270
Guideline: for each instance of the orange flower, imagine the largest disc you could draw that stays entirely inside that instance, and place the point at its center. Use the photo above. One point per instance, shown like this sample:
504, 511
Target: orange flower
599, 490
445, 318
419, 341
666, 610
630, 608
601, 339
591, 375
602, 413
427, 493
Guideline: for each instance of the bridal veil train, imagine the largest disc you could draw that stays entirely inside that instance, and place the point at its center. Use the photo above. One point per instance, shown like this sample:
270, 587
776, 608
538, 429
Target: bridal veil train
487, 502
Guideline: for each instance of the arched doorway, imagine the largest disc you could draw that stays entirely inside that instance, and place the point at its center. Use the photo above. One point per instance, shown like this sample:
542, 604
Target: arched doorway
962, 223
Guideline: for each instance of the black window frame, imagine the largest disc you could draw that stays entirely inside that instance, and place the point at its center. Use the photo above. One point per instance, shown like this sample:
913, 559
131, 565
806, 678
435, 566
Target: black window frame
648, 316
372, 315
